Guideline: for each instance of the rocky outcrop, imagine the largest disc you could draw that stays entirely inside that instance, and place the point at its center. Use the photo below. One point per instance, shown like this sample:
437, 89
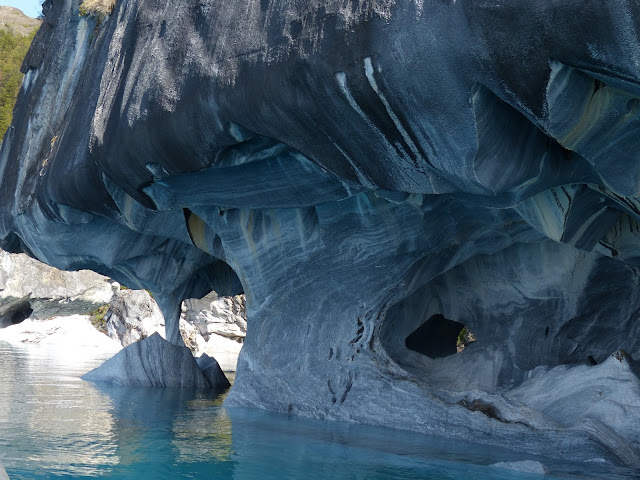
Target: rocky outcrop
151, 362
360, 171
215, 315
216, 326
31, 289
212, 325
213, 373
132, 316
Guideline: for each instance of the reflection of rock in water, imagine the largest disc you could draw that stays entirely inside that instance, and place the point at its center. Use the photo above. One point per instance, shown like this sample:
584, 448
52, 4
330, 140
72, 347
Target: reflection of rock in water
203, 431
146, 417
78, 427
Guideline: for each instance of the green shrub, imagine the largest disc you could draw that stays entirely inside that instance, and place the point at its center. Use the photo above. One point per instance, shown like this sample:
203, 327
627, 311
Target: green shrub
97, 8
99, 318
13, 48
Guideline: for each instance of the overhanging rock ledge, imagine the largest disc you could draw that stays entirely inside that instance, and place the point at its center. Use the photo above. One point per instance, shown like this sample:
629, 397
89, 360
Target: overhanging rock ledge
357, 170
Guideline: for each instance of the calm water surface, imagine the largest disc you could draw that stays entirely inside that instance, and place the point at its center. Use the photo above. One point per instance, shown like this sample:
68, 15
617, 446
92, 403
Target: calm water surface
55, 425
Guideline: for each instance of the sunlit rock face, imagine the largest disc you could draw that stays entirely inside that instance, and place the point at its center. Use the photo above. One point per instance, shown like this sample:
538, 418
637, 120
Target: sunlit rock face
356, 171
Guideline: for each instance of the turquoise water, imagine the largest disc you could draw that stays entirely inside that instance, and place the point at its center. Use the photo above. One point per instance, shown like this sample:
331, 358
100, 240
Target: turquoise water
55, 425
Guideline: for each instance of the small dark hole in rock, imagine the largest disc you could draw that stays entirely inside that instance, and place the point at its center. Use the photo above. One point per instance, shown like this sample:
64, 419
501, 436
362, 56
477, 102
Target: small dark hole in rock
439, 337
21, 315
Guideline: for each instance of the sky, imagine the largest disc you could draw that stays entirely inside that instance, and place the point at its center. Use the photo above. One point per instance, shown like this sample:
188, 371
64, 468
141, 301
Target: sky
32, 8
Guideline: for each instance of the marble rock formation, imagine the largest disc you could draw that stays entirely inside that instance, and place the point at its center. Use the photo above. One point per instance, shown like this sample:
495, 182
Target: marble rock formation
151, 362
525, 466
212, 372
361, 171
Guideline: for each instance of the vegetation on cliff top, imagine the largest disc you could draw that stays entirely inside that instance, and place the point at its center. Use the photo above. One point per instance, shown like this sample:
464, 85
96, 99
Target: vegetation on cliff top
16, 33
99, 8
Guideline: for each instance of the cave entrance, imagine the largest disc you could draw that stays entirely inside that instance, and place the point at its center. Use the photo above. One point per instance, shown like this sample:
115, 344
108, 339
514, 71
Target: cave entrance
21, 315
439, 337
15, 314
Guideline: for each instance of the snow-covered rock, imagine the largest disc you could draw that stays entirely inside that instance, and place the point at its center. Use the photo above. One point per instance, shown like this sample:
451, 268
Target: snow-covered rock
72, 333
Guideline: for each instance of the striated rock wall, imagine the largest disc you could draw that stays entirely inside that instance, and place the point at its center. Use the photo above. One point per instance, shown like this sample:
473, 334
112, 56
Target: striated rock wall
357, 170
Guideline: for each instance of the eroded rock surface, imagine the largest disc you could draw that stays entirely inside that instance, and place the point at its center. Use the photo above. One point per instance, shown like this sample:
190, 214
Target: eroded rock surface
151, 362
212, 372
356, 170
525, 466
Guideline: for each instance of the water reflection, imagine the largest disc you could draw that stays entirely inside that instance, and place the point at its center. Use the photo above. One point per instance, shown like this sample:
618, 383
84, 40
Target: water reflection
203, 431
54, 424
49, 418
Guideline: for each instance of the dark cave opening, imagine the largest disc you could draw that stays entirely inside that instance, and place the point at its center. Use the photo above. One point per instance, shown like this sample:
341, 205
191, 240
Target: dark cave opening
16, 313
439, 337
21, 314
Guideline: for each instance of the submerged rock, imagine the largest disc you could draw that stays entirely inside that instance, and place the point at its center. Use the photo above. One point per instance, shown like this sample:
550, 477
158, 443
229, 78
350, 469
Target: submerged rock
525, 466
151, 362
357, 188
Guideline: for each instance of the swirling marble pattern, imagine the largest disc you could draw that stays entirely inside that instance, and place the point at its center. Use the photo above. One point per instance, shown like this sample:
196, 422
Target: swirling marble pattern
355, 169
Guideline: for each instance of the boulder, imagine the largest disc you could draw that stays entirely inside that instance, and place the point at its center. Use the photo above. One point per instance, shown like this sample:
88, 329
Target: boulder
213, 373
151, 362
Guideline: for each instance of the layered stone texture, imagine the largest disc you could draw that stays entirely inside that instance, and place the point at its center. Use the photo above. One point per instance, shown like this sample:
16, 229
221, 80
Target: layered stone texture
151, 362
356, 170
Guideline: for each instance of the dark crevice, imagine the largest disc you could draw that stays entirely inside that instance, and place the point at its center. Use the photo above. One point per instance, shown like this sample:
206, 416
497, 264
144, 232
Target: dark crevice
21, 314
437, 337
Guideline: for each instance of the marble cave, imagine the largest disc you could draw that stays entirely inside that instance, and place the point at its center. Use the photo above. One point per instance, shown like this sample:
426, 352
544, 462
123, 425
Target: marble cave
374, 175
